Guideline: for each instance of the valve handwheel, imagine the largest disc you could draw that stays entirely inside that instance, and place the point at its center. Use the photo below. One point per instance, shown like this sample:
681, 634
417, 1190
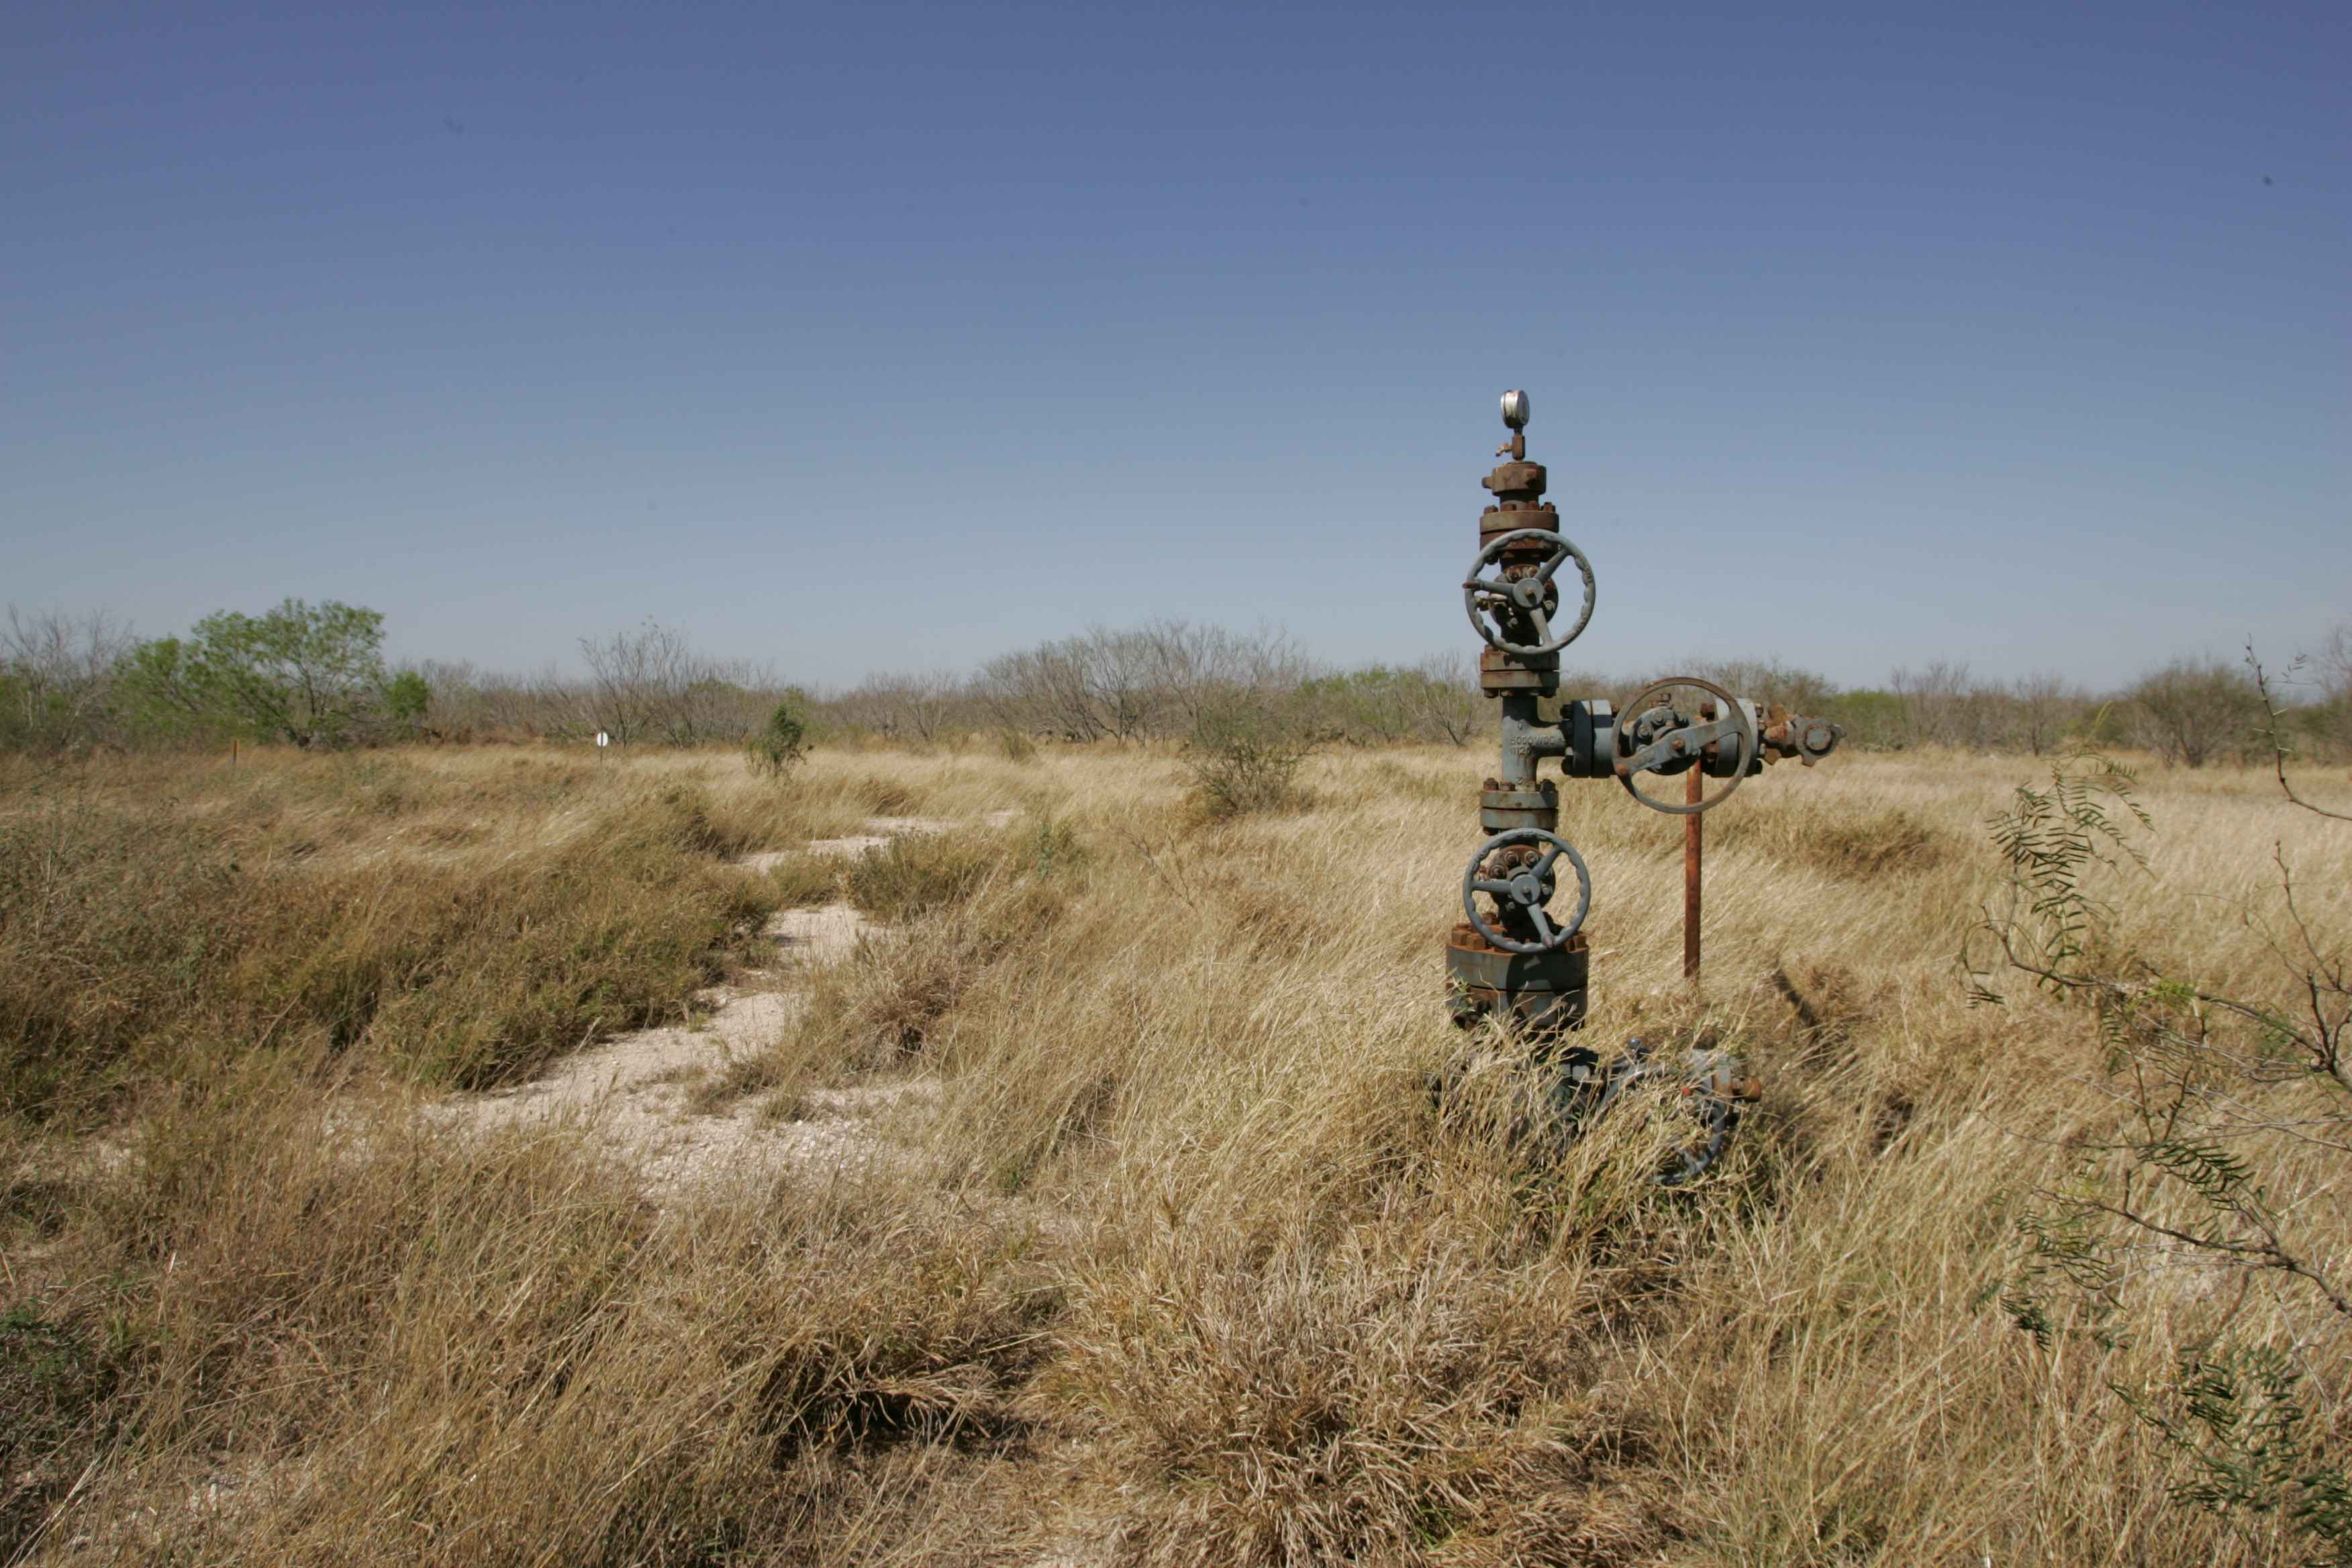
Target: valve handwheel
1533, 597
1682, 742
1526, 890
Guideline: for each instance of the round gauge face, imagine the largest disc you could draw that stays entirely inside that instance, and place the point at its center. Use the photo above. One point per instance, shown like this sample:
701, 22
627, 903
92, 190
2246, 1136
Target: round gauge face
1515, 409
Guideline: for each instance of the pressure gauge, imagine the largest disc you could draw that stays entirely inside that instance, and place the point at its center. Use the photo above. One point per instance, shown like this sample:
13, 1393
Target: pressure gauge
1515, 410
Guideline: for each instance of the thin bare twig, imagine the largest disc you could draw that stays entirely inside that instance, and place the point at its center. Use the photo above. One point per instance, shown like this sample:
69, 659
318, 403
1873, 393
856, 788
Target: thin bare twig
2278, 743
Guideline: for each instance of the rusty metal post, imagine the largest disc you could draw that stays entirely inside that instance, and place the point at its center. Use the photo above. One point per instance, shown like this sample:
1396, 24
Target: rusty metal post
1690, 875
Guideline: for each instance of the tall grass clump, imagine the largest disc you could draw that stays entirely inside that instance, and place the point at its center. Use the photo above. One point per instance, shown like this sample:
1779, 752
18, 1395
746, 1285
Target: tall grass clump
917, 873
142, 933
804, 879
452, 1354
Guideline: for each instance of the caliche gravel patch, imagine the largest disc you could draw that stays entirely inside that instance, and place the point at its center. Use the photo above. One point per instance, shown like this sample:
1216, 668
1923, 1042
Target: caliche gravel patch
635, 1090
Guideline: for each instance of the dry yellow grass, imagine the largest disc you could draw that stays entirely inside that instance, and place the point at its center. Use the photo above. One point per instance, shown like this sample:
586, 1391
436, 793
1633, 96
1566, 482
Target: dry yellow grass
1185, 1266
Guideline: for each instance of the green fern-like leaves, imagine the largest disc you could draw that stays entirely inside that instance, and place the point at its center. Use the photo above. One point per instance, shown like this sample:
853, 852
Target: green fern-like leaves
2222, 1179
2050, 839
2238, 1413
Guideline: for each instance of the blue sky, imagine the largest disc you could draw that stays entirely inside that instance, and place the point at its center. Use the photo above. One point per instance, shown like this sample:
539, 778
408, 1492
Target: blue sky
893, 336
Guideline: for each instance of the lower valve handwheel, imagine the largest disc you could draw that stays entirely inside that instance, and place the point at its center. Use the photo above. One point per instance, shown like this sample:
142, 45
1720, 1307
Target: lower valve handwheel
1523, 889
1644, 746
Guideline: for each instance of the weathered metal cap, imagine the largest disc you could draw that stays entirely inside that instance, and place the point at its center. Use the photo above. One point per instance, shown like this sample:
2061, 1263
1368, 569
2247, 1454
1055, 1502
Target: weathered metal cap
1515, 409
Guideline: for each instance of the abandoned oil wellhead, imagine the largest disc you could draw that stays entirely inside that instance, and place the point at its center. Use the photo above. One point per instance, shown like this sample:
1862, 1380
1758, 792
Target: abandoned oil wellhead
1520, 958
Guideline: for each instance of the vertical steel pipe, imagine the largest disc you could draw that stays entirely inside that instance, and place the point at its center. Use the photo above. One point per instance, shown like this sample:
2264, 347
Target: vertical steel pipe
1690, 874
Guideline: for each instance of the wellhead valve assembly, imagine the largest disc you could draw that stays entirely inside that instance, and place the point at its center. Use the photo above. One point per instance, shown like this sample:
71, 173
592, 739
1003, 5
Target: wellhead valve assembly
1519, 954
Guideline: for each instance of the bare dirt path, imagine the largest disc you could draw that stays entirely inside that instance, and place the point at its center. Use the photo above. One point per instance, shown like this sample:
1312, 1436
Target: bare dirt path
637, 1088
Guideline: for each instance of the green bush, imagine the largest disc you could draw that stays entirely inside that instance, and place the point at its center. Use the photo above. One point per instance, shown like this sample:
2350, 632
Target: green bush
306, 674
780, 744
406, 698
1245, 763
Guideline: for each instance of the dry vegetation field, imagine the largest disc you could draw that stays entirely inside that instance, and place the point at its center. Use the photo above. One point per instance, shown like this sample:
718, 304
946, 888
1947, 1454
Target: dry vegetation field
1164, 1253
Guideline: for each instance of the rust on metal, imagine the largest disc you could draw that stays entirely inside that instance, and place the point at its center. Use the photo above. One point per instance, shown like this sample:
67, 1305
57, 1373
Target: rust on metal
1499, 672
1505, 808
1519, 958
1690, 877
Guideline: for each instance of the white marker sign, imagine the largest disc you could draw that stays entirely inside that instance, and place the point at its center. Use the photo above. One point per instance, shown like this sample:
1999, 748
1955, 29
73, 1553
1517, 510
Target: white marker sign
603, 739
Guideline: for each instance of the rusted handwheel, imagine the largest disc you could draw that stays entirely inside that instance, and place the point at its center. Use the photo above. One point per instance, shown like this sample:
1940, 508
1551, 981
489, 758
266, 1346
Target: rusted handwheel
1533, 597
1685, 743
1527, 891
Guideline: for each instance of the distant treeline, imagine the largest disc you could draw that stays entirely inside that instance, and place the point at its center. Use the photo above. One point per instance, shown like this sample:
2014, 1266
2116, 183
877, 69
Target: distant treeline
311, 675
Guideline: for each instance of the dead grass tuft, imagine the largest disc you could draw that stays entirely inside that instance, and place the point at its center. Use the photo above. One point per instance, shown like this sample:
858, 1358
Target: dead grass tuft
1362, 1396
438, 1327
140, 932
885, 796
802, 880
1884, 844
57, 1383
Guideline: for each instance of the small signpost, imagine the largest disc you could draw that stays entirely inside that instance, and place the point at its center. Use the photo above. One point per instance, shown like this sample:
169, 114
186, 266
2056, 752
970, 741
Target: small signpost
603, 741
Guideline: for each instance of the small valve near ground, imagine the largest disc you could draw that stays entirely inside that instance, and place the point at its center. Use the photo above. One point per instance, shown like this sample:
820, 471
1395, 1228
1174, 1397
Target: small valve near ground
1519, 956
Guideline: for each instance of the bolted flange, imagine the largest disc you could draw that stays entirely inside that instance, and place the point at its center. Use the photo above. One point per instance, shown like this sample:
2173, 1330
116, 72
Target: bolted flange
1516, 480
1542, 993
1501, 808
1534, 673
1496, 522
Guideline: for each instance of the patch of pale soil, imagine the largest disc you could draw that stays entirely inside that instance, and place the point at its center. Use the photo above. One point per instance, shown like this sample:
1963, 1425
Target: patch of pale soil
849, 1139
636, 1089
820, 935
893, 827
880, 830
855, 843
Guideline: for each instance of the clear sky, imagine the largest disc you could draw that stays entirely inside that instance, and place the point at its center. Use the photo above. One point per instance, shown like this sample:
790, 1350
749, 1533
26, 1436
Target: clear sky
893, 336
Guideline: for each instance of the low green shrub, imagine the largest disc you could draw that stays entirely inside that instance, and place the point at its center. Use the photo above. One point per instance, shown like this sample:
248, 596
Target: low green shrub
1245, 766
780, 744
